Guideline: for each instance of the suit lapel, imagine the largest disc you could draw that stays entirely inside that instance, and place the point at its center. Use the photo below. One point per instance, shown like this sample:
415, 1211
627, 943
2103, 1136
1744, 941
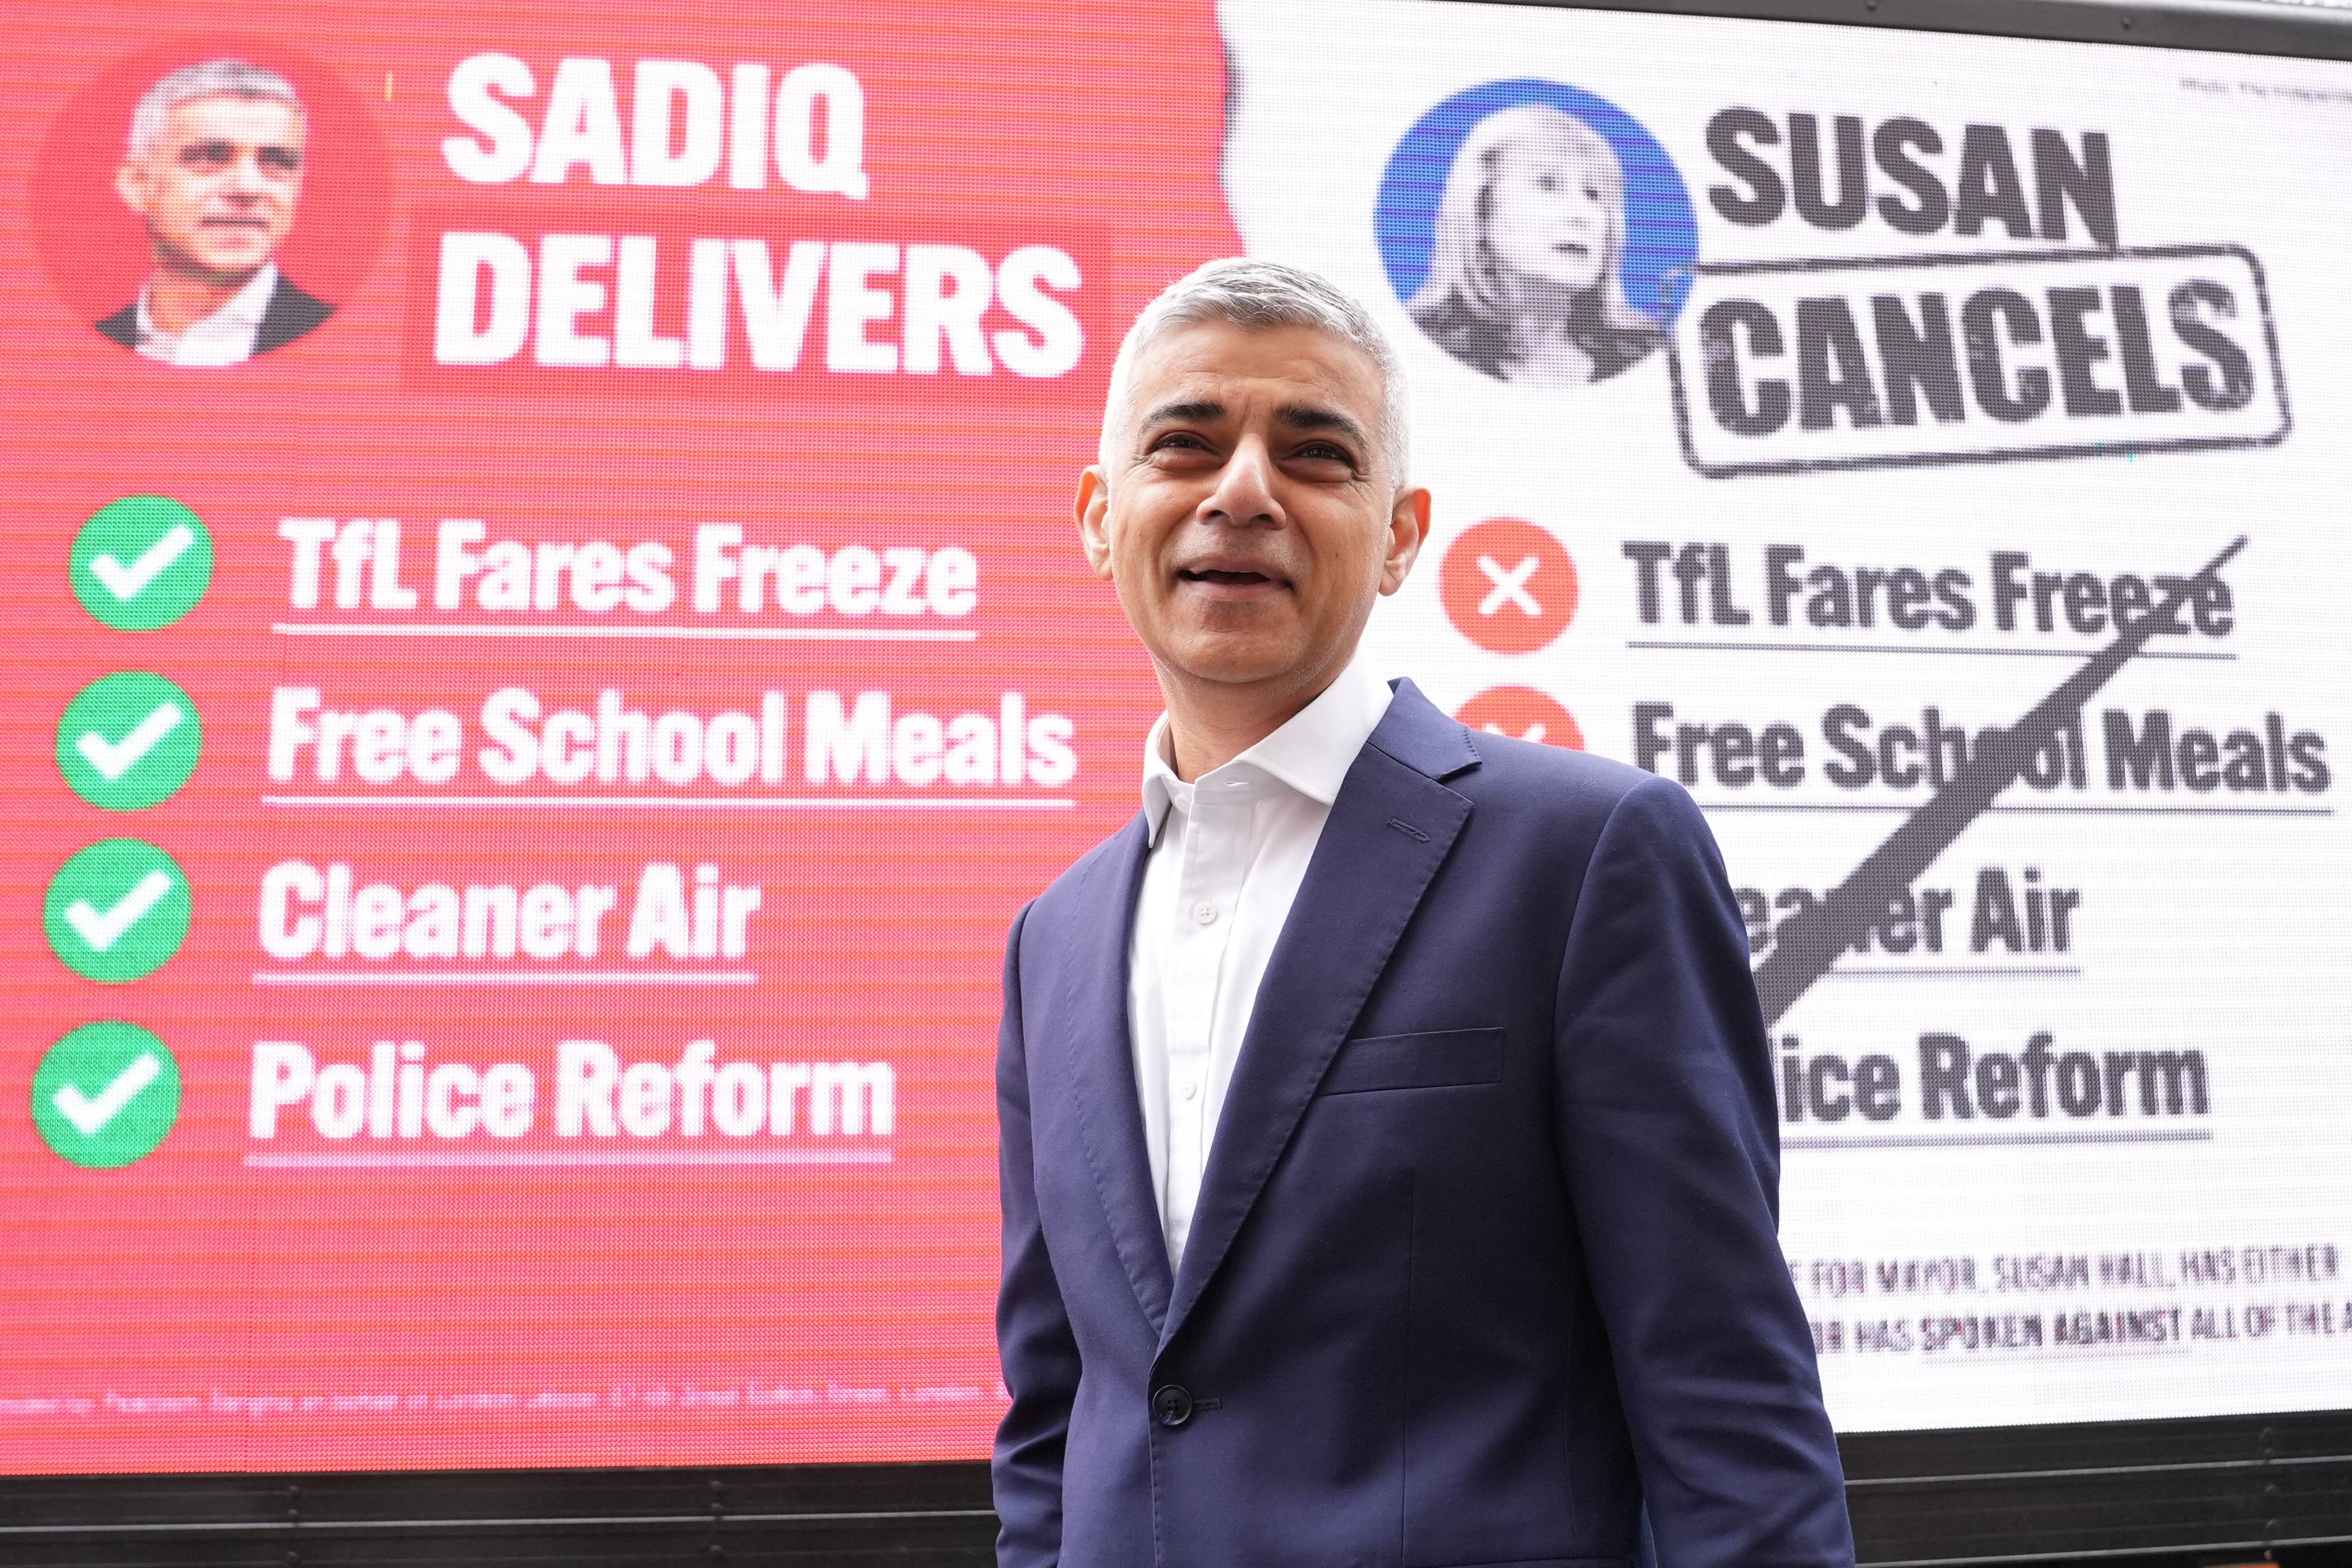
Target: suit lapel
1102, 1059
292, 312
1389, 831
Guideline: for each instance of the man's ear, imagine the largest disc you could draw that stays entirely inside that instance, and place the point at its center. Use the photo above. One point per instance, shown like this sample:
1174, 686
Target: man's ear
1408, 526
1092, 509
133, 184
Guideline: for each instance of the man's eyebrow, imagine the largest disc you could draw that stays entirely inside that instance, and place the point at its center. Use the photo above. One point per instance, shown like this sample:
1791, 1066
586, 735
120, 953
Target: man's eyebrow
1308, 416
1199, 411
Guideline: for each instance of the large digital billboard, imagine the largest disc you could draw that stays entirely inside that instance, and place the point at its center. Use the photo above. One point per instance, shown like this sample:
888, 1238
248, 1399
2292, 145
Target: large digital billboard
549, 649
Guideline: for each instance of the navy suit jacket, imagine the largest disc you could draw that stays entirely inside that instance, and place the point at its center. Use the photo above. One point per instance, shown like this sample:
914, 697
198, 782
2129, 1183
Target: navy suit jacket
1485, 1253
292, 313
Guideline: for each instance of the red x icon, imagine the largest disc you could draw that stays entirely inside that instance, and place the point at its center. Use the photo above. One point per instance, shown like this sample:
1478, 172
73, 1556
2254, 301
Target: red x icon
1523, 713
1507, 585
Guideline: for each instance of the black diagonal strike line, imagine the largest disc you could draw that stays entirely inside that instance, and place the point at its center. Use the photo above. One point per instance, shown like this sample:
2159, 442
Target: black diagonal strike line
1809, 942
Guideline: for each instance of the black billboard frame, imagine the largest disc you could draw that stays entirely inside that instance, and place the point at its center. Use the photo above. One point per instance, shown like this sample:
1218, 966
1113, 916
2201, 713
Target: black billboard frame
2174, 1491
2274, 27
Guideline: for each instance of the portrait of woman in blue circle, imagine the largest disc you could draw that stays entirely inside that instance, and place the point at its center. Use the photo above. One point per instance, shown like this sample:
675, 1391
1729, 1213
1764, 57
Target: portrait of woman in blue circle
1528, 254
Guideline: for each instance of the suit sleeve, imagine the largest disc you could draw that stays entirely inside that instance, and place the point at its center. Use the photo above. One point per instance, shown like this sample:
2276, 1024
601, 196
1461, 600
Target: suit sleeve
1040, 1354
1669, 1139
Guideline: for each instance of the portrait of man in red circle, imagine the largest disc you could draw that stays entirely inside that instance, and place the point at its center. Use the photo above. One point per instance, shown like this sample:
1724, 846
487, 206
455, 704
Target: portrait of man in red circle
212, 164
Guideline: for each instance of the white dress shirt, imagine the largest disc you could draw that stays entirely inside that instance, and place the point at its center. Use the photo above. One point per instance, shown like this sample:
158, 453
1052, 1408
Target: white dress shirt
225, 337
1228, 852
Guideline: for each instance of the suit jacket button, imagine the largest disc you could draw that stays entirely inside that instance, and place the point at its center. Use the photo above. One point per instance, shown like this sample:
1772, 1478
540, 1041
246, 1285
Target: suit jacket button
1171, 1405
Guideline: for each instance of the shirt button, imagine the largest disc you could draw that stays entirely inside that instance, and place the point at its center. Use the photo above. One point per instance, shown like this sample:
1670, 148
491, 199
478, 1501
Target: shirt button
1190, 1089
1205, 912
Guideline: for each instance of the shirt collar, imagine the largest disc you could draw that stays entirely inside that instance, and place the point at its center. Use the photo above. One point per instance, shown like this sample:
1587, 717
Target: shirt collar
1310, 754
244, 309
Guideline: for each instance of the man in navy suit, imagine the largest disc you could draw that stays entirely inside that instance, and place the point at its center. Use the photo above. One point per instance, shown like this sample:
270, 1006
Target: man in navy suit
213, 165
1390, 1173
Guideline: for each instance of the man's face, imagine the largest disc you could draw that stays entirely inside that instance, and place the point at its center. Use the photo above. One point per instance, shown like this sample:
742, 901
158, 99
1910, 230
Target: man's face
1250, 516
217, 188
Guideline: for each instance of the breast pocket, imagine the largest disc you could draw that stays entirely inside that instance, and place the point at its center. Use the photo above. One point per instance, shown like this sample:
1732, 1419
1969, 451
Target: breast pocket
1437, 1060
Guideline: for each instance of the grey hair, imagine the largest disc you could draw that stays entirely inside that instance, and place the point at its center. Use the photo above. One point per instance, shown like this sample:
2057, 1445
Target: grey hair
1262, 295
213, 78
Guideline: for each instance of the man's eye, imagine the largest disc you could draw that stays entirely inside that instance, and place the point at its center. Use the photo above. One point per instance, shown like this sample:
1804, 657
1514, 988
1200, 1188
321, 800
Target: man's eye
1547, 181
206, 156
1324, 452
1177, 440
281, 160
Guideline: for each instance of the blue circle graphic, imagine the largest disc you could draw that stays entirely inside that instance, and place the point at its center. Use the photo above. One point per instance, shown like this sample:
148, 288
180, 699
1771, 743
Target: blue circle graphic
1661, 229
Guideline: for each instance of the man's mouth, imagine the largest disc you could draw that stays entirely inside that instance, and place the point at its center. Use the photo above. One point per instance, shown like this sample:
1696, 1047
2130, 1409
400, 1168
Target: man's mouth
1230, 579
258, 224
1574, 248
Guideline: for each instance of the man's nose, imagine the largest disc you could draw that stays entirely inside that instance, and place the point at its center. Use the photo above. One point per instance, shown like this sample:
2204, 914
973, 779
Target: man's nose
246, 177
1245, 492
